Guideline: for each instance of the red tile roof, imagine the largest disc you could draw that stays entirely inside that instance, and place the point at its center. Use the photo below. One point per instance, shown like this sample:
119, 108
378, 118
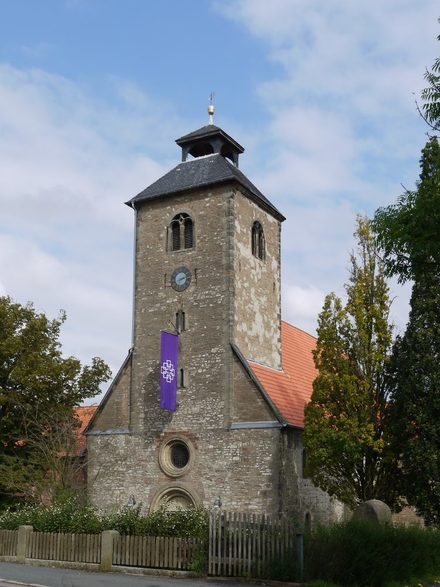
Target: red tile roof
84, 415
290, 389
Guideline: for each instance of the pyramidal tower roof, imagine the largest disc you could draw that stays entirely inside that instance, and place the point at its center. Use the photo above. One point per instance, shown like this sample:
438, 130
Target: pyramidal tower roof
209, 157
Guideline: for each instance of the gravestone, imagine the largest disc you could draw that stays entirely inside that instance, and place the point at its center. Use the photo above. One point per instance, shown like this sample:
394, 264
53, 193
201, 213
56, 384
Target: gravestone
373, 510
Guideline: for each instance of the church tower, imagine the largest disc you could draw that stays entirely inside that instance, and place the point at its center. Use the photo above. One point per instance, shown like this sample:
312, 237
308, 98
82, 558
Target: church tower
207, 267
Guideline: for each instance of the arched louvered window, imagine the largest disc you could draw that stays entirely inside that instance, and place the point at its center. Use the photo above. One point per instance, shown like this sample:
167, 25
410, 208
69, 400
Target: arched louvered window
181, 232
175, 235
188, 233
258, 241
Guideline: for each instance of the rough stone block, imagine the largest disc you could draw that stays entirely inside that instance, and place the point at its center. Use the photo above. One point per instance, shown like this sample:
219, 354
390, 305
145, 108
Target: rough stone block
373, 510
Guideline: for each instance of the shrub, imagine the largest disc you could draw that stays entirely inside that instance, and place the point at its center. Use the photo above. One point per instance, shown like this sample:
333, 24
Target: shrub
282, 569
184, 523
360, 554
65, 516
69, 516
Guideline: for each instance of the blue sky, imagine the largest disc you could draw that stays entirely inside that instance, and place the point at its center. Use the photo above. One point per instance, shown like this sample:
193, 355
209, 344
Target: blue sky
93, 94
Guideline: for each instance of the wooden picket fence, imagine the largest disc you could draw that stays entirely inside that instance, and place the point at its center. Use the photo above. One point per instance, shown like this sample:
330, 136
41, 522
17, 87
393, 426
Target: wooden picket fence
8, 542
252, 545
239, 544
81, 548
155, 551
134, 551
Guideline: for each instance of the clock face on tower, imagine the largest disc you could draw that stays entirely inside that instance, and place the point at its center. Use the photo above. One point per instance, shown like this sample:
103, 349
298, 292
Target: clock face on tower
181, 278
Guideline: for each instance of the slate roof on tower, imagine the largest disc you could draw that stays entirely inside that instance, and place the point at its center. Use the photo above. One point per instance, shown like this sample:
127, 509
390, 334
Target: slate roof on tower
215, 162
202, 172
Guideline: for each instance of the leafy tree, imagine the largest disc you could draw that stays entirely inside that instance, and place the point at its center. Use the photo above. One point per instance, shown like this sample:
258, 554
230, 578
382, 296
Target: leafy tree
55, 464
409, 236
345, 421
37, 387
431, 95
408, 232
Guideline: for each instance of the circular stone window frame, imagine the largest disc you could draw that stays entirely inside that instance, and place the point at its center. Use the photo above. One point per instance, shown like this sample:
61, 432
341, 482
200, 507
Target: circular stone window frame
165, 460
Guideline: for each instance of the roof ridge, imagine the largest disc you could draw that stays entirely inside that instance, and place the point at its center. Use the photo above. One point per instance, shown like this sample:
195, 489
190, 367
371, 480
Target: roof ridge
300, 329
201, 130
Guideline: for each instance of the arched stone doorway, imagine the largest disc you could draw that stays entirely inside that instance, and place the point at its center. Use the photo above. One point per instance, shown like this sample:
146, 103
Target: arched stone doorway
174, 498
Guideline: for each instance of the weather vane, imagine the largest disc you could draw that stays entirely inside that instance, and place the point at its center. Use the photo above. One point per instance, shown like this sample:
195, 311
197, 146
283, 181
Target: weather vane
211, 108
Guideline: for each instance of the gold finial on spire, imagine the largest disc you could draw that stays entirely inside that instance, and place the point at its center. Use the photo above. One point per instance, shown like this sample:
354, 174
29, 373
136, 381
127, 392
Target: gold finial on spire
211, 108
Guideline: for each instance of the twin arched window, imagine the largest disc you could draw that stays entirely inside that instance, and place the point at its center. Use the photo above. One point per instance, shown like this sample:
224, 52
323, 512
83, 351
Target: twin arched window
182, 232
182, 235
258, 241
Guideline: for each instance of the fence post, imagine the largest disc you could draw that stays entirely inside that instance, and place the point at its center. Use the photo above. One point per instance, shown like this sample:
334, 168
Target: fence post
107, 540
23, 538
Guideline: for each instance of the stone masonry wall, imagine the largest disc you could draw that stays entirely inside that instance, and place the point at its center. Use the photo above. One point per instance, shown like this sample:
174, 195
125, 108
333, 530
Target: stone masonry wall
202, 351
114, 410
299, 496
257, 293
248, 403
233, 297
251, 470
240, 466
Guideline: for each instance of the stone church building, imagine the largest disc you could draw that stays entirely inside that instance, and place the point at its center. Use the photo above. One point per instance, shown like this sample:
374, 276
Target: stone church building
207, 266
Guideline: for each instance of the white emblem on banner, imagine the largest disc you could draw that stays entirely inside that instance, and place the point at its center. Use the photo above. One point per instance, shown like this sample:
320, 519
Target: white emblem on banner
167, 371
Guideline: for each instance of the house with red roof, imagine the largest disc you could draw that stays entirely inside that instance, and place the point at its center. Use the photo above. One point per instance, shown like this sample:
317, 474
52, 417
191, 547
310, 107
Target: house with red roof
83, 415
207, 408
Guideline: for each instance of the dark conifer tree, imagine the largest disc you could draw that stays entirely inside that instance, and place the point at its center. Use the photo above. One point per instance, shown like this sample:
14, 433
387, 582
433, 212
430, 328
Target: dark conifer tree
409, 236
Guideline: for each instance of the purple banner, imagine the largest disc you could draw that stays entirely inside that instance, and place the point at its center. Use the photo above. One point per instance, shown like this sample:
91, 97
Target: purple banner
169, 349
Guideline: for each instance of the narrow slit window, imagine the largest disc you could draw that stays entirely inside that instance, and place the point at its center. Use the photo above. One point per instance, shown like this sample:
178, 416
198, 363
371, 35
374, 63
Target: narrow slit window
180, 321
258, 241
182, 378
254, 241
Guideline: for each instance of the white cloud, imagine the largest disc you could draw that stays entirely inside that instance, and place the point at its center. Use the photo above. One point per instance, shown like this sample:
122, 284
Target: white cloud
341, 135
67, 164
343, 131
301, 305
314, 154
